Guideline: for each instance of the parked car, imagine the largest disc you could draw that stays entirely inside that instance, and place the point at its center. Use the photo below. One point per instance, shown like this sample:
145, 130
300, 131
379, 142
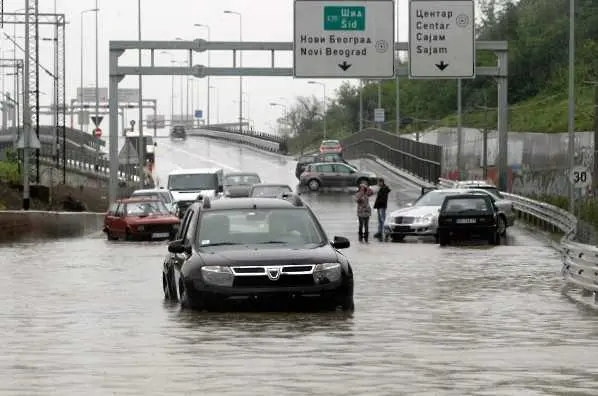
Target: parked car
269, 190
305, 160
256, 253
467, 216
160, 193
505, 207
238, 184
178, 132
331, 146
334, 174
140, 219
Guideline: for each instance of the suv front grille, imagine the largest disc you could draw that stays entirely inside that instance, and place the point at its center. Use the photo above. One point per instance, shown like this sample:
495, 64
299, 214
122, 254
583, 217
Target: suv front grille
288, 276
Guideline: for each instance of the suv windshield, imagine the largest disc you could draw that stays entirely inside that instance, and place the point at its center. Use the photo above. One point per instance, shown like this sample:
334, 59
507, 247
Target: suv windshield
194, 182
241, 180
282, 226
433, 198
458, 205
146, 208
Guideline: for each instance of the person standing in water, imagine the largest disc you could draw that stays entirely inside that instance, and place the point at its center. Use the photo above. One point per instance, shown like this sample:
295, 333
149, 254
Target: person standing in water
364, 211
380, 205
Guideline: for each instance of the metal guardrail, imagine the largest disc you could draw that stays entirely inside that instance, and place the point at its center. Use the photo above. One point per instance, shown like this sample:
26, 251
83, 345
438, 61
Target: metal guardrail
242, 138
81, 154
580, 261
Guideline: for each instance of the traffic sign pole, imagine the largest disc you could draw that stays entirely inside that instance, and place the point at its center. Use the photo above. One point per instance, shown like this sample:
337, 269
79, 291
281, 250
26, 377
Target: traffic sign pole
441, 39
348, 39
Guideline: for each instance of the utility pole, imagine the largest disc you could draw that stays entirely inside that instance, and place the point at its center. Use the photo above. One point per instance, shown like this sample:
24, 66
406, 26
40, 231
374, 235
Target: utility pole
595, 171
26, 110
459, 131
571, 115
361, 105
379, 99
140, 148
485, 141
97, 90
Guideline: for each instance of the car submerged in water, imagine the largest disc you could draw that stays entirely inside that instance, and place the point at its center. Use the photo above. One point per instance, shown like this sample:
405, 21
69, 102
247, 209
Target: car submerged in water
421, 217
257, 254
140, 218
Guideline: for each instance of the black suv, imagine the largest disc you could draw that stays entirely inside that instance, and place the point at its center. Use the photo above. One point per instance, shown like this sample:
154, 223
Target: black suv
256, 253
319, 157
178, 132
466, 216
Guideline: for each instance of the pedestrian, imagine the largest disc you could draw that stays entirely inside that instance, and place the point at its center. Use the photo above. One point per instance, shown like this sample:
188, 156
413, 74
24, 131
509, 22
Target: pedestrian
364, 211
380, 205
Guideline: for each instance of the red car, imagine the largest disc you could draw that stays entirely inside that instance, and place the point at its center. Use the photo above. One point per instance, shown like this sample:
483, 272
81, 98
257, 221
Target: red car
331, 146
140, 219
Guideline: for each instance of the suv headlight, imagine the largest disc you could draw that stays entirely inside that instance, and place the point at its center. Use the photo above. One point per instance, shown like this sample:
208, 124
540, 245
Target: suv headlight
327, 273
218, 275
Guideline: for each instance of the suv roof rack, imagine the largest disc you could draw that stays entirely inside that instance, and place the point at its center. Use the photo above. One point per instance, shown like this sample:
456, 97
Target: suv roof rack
292, 197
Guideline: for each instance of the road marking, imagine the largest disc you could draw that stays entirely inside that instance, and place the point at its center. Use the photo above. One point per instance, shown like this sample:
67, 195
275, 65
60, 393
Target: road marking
202, 158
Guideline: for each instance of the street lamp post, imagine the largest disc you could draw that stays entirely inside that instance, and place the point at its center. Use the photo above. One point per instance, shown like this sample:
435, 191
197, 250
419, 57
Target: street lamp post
81, 71
97, 108
217, 103
571, 115
208, 77
325, 110
172, 61
240, 66
181, 87
140, 149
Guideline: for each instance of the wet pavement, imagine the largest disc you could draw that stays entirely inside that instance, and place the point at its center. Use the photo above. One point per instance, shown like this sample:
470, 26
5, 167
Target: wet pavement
86, 316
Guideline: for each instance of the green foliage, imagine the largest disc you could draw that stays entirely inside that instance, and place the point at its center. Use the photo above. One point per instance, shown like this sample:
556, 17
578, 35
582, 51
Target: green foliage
538, 34
585, 209
9, 172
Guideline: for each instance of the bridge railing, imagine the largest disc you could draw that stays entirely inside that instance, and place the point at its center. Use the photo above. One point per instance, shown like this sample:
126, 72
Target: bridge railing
262, 141
81, 153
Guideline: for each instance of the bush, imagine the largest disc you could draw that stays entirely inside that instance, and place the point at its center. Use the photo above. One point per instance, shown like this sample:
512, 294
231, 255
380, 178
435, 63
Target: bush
586, 209
9, 172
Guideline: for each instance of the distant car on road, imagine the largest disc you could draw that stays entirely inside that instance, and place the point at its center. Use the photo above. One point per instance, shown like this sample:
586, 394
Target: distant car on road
238, 184
256, 254
178, 132
305, 160
331, 146
160, 193
334, 174
269, 190
140, 219
467, 216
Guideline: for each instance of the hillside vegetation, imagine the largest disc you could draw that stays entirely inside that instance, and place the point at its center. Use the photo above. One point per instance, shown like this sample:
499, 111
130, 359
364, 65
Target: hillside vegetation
537, 32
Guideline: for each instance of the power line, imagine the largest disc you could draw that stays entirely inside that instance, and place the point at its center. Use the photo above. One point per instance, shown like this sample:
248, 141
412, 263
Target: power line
22, 49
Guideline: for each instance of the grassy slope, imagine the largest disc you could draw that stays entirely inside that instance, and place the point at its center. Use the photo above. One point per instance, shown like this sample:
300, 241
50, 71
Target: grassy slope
543, 113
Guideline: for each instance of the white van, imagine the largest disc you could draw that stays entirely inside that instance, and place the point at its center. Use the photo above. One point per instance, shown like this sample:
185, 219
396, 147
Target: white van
187, 184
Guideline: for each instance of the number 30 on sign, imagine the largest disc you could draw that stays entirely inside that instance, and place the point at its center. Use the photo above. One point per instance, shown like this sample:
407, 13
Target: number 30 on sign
580, 177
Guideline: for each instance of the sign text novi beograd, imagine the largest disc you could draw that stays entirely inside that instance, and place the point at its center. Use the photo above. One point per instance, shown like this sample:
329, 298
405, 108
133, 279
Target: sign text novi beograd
344, 39
441, 39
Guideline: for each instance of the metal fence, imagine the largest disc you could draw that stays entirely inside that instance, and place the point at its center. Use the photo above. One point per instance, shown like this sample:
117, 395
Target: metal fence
81, 153
421, 159
538, 161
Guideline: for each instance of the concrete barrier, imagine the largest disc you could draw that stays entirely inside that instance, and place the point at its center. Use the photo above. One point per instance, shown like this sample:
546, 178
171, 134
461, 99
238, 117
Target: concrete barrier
238, 138
32, 225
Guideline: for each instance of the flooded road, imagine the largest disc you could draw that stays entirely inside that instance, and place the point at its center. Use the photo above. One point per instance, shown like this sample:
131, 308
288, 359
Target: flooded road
87, 316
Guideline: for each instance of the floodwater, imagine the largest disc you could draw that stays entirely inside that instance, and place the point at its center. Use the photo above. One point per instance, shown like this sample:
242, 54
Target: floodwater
87, 316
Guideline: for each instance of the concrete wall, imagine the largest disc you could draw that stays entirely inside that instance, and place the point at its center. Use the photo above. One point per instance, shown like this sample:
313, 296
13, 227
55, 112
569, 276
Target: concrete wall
34, 225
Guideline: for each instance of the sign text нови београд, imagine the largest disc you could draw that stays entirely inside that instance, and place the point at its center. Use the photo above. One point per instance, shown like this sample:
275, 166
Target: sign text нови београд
333, 45
344, 18
441, 39
343, 39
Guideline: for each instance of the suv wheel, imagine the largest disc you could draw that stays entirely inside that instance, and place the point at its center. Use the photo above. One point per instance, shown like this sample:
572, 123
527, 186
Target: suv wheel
313, 184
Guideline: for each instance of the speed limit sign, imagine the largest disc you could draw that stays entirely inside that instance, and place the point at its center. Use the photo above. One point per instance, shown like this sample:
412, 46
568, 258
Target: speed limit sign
580, 177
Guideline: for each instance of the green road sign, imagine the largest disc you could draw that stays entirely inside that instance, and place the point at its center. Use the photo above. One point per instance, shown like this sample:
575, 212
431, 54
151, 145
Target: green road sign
344, 18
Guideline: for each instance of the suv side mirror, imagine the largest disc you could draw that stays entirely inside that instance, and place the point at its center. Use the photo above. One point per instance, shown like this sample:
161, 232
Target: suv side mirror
340, 242
177, 247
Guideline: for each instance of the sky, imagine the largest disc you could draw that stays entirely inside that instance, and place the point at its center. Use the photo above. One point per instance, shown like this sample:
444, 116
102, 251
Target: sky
263, 20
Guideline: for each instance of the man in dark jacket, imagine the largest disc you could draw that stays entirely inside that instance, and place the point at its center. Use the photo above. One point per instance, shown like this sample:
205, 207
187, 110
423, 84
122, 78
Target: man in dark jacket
380, 205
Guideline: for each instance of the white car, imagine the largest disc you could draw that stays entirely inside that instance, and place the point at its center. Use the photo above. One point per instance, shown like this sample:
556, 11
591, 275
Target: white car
186, 185
421, 217
164, 195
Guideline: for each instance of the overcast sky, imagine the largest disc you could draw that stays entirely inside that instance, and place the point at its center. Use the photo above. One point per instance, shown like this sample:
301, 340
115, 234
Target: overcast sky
263, 20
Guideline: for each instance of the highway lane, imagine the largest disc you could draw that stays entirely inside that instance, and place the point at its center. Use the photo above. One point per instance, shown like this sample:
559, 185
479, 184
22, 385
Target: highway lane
86, 316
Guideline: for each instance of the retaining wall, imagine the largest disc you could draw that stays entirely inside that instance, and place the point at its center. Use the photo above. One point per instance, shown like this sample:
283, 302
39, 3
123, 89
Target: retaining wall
32, 225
